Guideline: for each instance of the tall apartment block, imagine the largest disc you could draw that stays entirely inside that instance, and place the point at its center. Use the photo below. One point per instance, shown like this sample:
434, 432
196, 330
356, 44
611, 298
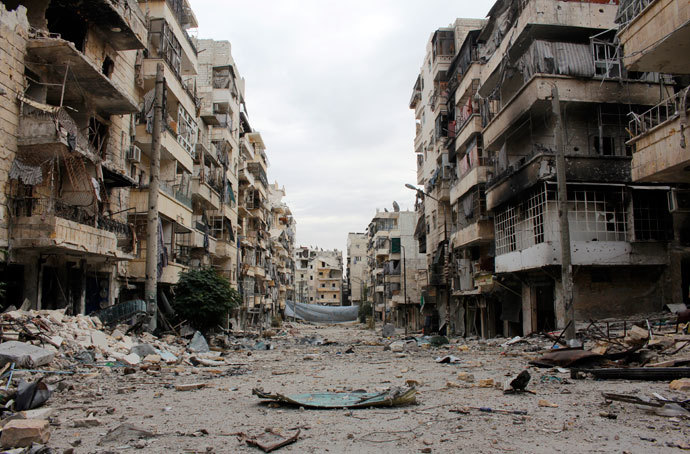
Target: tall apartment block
357, 268
655, 37
318, 276
68, 94
77, 99
500, 132
282, 228
393, 261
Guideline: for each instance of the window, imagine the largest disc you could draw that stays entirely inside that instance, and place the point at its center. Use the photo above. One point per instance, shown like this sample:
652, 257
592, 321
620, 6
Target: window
332, 285
320, 273
604, 146
311, 298
322, 296
186, 130
323, 264
606, 60
323, 285
311, 278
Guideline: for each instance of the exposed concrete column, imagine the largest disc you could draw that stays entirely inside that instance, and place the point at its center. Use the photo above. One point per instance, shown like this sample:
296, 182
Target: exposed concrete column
32, 282
82, 290
529, 310
559, 304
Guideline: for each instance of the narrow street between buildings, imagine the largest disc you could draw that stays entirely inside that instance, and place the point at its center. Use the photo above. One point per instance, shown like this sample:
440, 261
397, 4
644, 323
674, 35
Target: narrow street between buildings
168, 395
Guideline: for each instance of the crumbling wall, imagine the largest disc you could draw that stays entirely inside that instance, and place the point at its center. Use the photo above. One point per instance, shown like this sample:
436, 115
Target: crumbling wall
13, 37
601, 292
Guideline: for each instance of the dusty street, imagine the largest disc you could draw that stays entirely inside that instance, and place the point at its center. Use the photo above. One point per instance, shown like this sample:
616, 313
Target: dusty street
206, 420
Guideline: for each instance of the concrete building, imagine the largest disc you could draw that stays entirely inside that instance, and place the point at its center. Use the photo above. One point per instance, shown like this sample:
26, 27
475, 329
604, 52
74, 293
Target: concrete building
68, 95
493, 146
77, 105
429, 101
357, 268
394, 260
216, 164
282, 228
318, 276
655, 36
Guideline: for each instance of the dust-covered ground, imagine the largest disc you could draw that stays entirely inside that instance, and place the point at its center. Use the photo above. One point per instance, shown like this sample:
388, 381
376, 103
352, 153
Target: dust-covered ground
208, 419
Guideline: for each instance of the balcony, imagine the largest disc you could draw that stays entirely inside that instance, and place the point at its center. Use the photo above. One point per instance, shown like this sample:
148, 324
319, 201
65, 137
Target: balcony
659, 136
200, 240
176, 22
655, 35
46, 225
171, 204
48, 55
226, 249
539, 18
179, 90
120, 22
475, 176
170, 147
205, 194
481, 231
535, 98
170, 274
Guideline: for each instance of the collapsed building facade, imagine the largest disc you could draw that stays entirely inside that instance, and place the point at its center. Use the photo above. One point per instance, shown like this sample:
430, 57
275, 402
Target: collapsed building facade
78, 101
318, 276
501, 133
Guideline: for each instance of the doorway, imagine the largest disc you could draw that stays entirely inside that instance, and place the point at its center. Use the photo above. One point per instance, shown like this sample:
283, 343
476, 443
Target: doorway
546, 313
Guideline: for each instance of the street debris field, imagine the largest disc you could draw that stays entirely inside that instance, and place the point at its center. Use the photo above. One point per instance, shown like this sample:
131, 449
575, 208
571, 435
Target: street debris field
72, 385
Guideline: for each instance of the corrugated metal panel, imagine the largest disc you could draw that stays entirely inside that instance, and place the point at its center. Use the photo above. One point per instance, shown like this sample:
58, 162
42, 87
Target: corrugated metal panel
548, 57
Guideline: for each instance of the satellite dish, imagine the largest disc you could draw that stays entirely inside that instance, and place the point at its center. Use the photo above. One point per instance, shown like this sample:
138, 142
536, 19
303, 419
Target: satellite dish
396, 207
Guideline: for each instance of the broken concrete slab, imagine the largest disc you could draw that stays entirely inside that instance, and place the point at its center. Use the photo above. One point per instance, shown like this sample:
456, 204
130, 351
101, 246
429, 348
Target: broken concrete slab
269, 440
143, 350
388, 330
24, 355
198, 344
125, 433
22, 433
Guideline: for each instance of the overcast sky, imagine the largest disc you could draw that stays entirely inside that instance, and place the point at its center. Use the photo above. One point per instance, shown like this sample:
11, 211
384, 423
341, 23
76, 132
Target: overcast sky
328, 86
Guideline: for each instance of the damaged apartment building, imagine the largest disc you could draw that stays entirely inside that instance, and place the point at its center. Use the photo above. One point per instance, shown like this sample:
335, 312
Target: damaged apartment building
494, 146
68, 97
318, 276
77, 96
394, 264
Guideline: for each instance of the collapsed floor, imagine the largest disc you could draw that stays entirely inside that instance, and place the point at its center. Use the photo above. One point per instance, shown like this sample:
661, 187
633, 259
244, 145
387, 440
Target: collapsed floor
204, 402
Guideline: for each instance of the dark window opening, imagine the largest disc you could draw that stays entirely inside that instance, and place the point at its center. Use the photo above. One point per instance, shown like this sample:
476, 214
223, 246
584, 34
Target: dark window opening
108, 66
604, 146
68, 24
98, 136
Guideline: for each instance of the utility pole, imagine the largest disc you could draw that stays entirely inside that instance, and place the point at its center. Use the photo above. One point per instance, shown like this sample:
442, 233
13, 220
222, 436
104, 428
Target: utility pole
566, 262
404, 286
152, 252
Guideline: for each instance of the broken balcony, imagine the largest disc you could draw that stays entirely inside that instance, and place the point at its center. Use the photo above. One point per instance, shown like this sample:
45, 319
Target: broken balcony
655, 35
661, 138
45, 130
533, 100
471, 223
59, 62
121, 23
50, 225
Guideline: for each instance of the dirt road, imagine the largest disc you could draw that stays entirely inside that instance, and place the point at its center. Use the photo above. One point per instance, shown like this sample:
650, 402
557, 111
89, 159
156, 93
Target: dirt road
574, 423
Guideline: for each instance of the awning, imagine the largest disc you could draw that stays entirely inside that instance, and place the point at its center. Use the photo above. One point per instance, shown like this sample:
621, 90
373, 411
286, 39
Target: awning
113, 179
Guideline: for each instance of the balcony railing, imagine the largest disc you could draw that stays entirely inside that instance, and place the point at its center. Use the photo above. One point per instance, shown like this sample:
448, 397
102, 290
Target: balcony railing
666, 110
634, 8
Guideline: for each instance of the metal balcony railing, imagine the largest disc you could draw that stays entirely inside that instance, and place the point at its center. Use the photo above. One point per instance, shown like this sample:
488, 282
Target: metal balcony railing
666, 110
627, 13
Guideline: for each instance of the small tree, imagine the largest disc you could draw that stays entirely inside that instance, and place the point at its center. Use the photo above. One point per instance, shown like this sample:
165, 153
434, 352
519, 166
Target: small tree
203, 297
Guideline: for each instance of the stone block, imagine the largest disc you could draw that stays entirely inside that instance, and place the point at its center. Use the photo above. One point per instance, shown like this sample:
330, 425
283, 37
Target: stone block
21, 433
24, 355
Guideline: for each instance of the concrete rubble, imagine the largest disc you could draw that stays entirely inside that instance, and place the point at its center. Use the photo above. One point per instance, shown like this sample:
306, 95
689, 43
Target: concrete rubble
179, 400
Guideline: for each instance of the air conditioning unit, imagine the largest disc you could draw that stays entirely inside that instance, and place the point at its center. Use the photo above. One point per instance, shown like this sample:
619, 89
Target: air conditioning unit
134, 154
678, 201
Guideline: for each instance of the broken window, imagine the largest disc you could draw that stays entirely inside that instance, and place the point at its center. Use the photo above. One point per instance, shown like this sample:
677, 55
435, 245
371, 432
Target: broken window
604, 146
164, 44
186, 130
651, 216
108, 66
606, 60
597, 215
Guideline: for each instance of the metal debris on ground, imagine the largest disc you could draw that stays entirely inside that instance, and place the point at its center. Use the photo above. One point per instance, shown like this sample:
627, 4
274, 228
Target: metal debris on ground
392, 397
448, 359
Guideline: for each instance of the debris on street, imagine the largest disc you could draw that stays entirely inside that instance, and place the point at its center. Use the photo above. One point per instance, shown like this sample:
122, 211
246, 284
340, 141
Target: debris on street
393, 397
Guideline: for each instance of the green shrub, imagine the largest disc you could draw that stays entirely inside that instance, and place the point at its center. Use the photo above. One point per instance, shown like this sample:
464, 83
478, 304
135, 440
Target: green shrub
204, 298
365, 310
